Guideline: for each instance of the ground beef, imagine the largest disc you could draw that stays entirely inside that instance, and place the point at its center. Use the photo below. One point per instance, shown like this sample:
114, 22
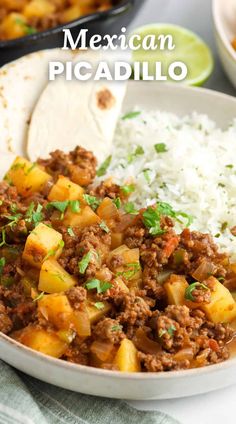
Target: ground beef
76, 296
110, 330
90, 239
79, 165
5, 322
135, 311
106, 189
200, 247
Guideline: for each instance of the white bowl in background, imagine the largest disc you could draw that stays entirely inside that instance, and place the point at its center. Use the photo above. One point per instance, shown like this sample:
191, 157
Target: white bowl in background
180, 100
224, 14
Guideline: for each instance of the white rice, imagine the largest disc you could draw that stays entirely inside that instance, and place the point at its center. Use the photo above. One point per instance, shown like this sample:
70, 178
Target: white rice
196, 175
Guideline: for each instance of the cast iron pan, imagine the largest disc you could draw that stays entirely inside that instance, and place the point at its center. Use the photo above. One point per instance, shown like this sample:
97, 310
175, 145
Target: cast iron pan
109, 22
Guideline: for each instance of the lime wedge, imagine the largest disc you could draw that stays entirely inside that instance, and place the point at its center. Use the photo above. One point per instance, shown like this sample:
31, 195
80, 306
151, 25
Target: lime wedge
189, 48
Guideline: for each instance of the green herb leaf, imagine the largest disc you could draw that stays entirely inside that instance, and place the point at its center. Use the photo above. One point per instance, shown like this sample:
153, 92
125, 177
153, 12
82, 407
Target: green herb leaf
117, 202
128, 189
2, 264
160, 148
70, 231
130, 270
84, 263
152, 221
188, 292
100, 286
130, 208
99, 305
131, 115
60, 206
138, 152
3, 237
104, 166
230, 166
35, 216
104, 227
146, 175
92, 201
75, 206
116, 328
169, 331
39, 297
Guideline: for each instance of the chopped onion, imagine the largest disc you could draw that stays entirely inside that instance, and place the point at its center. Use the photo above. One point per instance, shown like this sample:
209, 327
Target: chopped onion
102, 349
204, 271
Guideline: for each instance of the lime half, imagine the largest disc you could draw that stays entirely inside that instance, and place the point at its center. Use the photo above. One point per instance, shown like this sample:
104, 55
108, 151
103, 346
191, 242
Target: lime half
189, 48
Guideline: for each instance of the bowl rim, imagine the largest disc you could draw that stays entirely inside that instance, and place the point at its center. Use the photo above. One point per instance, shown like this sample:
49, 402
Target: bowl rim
120, 8
118, 375
140, 376
220, 29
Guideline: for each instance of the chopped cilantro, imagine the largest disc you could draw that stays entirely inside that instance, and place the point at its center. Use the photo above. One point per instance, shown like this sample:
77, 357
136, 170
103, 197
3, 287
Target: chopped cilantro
169, 331
60, 206
116, 327
130, 271
92, 201
152, 220
3, 236
128, 189
2, 264
160, 147
39, 297
152, 217
100, 286
70, 231
147, 175
84, 263
104, 166
75, 206
224, 226
34, 216
230, 166
117, 202
131, 115
130, 208
99, 305
104, 227
188, 292
138, 152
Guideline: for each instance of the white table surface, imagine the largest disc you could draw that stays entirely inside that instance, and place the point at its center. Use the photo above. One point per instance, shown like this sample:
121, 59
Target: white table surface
216, 407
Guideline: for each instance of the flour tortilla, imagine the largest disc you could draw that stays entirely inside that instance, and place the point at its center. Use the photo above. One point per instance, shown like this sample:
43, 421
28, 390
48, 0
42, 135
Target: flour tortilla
21, 83
71, 113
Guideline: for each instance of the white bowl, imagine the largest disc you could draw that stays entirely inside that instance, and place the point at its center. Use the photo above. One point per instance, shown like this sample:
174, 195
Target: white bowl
224, 14
140, 386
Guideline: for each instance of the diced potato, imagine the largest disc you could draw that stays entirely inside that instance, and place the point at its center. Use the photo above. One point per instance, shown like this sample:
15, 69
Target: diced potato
84, 218
14, 25
39, 9
116, 240
222, 307
27, 177
126, 358
53, 278
118, 282
71, 14
64, 189
108, 212
57, 310
175, 289
43, 341
42, 242
130, 268
82, 323
94, 313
